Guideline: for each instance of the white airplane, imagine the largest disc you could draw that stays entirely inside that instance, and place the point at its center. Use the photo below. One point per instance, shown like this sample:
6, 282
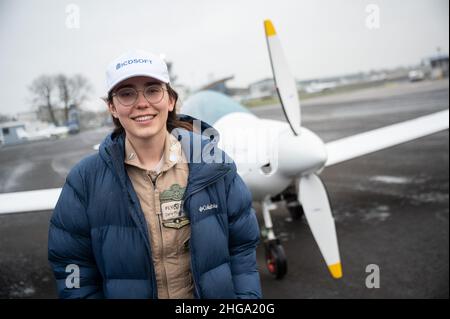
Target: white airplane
276, 155
317, 87
50, 132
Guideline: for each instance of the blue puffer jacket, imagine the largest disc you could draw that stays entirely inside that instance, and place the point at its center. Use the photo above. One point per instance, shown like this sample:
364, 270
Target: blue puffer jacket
98, 225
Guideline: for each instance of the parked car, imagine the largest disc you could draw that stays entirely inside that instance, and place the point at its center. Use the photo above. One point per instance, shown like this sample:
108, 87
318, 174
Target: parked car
416, 75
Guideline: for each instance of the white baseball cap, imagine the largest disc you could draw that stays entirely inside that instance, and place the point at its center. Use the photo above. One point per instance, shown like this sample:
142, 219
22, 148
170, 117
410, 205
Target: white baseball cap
136, 63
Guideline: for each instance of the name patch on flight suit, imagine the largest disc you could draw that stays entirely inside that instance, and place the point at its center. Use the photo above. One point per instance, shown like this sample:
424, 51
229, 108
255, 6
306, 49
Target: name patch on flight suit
173, 215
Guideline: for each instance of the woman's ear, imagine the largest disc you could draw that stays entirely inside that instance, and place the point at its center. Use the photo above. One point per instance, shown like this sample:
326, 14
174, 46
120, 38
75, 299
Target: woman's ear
112, 109
171, 104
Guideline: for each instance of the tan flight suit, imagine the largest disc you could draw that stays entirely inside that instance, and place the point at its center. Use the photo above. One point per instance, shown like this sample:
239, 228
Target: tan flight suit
160, 192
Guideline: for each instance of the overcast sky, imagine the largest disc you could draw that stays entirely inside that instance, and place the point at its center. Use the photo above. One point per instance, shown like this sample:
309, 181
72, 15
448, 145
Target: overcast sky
210, 39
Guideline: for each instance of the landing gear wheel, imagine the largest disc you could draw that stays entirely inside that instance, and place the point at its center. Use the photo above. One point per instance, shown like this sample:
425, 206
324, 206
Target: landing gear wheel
275, 259
296, 210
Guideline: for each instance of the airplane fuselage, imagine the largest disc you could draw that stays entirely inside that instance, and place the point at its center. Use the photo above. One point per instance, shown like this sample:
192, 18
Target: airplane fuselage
267, 153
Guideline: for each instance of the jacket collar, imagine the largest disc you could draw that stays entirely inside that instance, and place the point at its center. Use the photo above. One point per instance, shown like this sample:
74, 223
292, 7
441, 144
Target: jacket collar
172, 154
205, 160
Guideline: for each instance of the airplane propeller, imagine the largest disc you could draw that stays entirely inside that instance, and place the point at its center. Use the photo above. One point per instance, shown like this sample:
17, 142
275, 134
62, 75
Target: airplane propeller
284, 81
311, 191
313, 196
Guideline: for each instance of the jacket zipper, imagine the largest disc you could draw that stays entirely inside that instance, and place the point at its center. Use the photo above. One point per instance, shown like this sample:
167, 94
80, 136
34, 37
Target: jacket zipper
194, 272
116, 167
153, 274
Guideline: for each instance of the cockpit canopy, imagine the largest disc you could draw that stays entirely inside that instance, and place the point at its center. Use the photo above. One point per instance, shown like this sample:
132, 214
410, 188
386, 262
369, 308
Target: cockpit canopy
210, 106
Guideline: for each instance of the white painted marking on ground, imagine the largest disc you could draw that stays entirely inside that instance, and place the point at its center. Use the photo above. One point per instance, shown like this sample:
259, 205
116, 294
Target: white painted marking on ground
391, 179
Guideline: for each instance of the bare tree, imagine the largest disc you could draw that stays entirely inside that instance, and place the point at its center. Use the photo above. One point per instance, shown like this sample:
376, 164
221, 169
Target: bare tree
51, 92
81, 88
43, 91
72, 91
4, 118
64, 96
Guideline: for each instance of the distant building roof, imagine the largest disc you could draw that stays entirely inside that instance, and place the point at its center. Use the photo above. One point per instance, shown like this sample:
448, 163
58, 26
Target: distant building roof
436, 58
213, 85
262, 81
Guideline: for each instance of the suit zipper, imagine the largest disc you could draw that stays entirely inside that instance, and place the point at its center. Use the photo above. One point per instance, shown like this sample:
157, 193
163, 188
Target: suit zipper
166, 285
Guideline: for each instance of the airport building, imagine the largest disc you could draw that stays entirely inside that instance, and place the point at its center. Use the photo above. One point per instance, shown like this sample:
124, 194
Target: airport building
262, 89
439, 66
11, 133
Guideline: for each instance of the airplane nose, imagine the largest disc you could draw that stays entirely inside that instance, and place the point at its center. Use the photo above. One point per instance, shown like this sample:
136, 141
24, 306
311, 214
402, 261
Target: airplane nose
300, 154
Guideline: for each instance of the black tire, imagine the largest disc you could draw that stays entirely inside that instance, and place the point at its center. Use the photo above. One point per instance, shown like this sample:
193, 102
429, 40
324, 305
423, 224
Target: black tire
295, 209
276, 260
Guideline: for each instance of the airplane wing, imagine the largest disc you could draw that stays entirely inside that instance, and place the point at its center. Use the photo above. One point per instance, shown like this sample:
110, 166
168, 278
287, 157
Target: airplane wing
338, 151
29, 201
368, 142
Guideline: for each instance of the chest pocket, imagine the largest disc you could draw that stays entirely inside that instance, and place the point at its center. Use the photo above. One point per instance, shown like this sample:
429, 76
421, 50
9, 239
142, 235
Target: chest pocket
175, 224
172, 212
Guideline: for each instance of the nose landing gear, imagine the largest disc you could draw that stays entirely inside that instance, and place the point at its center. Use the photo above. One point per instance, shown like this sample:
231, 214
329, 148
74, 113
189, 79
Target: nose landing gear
275, 257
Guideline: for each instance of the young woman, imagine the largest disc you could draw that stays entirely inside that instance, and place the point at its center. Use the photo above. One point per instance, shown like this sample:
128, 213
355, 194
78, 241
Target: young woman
148, 216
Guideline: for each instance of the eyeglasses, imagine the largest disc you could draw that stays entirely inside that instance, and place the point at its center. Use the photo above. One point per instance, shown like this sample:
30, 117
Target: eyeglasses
128, 96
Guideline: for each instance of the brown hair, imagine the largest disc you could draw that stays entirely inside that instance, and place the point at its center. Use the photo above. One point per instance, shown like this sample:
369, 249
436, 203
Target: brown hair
173, 120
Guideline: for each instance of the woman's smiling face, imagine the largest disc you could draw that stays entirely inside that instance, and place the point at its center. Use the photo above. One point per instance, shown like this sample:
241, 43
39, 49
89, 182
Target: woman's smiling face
142, 120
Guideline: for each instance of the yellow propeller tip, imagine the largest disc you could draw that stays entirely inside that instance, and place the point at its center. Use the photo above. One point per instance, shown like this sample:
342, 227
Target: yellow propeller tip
336, 270
268, 26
